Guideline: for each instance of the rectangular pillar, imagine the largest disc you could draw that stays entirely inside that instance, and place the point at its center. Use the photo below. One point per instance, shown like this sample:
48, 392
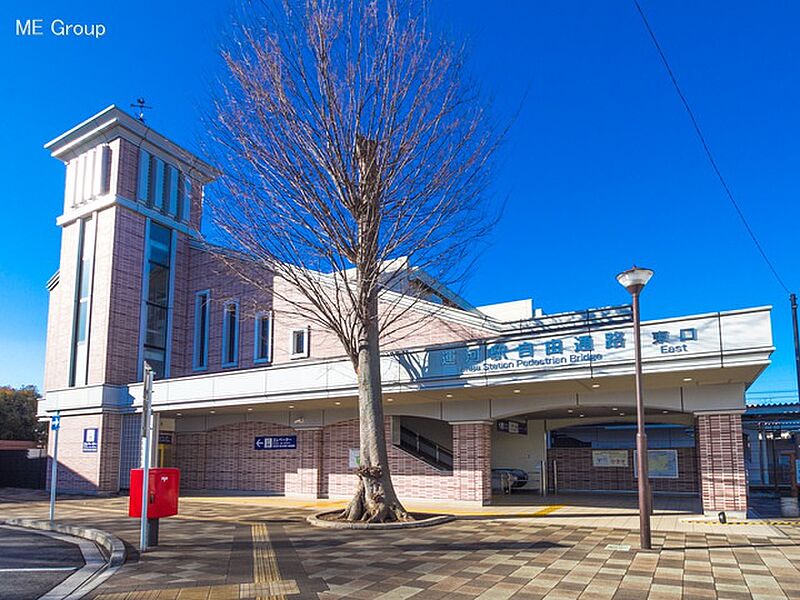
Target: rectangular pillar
720, 461
472, 462
87, 467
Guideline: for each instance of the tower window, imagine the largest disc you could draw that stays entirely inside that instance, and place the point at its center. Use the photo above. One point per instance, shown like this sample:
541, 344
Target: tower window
157, 299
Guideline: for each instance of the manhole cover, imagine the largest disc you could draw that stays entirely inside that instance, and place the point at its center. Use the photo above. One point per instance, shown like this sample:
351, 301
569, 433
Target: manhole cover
621, 547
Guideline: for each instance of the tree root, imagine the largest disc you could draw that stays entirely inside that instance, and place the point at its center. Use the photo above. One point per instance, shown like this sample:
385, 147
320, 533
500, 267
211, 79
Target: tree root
370, 504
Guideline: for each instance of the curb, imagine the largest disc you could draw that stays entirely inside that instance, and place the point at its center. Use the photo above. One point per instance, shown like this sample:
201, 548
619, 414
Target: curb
108, 564
112, 544
317, 521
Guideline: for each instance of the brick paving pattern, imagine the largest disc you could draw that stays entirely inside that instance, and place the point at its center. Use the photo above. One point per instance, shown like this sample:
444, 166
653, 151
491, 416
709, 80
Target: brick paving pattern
219, 550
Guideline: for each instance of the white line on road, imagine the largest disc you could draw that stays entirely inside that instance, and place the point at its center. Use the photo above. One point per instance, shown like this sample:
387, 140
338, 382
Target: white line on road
36, 569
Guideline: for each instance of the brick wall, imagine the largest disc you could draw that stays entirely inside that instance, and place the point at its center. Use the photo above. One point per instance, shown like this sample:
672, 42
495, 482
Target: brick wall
109, 448
190, 457
102, 269
127, 169
223, 458
207, 272
472, 462
126, 298
61, 312
576, 472
182, 311
412, 478
306, 481
80, 471
720, 451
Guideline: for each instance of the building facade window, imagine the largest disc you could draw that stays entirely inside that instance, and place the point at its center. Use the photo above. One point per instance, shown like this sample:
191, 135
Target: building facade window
299, 341
263, 338
83, 291
230, 334
202, 301
157, 299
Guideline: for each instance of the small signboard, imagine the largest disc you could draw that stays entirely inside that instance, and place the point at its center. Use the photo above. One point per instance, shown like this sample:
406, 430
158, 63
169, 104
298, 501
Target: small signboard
90, 439
512, 427
661, 464
353, 458
609, 458
275, 442
165, 437
55, 422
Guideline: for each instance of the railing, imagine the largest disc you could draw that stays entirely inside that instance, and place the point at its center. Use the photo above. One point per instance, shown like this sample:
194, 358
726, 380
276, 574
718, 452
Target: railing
426, 450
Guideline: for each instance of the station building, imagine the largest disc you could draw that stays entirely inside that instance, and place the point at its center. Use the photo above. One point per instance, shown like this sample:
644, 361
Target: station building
251, 398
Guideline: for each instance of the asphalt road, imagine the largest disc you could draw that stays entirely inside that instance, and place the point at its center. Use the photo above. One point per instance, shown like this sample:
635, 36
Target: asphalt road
32, 563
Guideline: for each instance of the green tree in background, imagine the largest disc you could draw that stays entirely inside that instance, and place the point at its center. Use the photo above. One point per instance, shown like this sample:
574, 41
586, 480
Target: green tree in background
18, 414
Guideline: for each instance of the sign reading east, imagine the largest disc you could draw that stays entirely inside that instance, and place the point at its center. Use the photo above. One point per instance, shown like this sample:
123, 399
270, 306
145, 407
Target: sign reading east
595, 348
275, 442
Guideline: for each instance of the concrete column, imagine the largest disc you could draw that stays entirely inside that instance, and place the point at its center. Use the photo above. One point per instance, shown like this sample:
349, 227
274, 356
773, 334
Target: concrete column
472, 461
307, 482
720, 460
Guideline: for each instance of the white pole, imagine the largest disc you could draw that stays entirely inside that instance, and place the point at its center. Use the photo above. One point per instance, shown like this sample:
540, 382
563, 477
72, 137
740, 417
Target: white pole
147, 411
55, 425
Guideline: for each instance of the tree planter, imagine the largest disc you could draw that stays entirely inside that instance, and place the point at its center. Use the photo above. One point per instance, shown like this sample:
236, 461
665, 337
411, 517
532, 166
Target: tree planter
326, 520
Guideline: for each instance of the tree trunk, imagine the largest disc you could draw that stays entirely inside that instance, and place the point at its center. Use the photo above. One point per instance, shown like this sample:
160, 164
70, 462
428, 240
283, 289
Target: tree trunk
375, 500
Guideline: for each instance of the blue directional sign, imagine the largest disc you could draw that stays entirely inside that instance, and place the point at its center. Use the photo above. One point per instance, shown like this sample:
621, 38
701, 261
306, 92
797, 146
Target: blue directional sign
90, 439
55, 422
275, 442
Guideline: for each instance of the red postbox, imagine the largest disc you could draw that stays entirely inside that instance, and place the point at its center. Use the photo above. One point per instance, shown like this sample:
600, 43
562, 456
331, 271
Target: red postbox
163, 490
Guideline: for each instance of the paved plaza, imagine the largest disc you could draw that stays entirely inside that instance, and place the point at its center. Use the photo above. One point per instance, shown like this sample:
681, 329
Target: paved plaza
253, 547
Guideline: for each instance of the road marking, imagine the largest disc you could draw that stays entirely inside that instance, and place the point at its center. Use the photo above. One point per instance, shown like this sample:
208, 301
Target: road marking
547, 510
795, 523
37, 569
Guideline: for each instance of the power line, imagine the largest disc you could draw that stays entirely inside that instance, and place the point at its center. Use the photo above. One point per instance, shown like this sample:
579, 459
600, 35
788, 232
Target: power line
710, 156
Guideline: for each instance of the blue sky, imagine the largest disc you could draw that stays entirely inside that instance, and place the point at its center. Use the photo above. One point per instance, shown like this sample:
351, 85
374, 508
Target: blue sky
601, 168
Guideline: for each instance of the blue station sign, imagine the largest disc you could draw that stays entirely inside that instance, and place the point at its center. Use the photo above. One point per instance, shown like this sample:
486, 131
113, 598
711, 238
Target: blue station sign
275, 442
90, 439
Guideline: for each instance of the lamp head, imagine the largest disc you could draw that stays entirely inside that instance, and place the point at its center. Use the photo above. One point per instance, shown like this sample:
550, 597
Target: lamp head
634, 279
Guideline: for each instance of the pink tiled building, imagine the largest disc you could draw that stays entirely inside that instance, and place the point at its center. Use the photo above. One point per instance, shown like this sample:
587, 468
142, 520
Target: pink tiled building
251, 397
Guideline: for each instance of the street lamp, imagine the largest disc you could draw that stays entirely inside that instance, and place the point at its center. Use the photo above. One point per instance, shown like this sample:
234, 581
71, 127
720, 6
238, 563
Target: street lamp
634, 280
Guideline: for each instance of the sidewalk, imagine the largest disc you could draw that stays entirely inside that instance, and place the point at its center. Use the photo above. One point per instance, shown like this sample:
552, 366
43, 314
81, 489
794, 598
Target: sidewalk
255, 547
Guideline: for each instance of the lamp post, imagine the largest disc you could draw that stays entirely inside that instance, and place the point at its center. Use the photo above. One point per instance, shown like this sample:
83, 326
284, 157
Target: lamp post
634, 280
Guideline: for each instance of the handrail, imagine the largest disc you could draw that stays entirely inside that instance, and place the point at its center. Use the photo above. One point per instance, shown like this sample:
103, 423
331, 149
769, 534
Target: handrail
425, 449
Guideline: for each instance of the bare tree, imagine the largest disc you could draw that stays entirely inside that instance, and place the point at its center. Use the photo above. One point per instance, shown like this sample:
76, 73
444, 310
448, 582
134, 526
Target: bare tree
356, 153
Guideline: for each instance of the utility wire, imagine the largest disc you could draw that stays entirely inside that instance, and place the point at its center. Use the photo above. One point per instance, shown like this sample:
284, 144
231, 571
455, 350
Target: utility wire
710, 156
